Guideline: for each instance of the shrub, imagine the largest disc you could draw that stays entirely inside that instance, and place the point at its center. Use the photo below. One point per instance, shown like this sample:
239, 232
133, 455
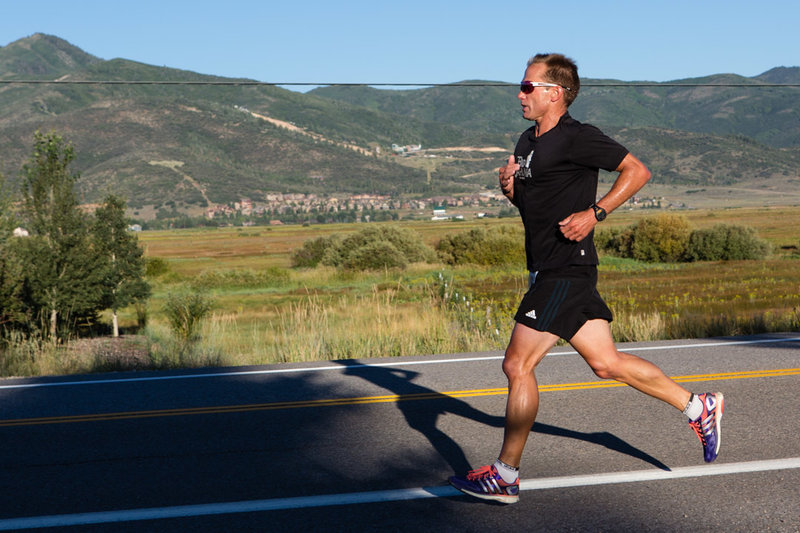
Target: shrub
615, 241
391, 246
406, 241
663, 238
724, 243
215, 279
184, 313
155, 266
314, 250
375, 255
500, 245
667, 238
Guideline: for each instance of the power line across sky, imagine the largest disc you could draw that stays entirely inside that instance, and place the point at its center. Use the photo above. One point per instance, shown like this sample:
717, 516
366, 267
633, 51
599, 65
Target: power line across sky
376, 84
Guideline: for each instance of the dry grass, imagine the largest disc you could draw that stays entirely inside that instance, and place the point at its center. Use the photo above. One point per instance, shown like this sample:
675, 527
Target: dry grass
303, 315
378, 324
322, 313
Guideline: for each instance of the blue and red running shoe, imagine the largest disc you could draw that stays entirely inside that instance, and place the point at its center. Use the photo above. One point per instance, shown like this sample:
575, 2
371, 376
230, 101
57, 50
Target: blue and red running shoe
707, 425
487, 484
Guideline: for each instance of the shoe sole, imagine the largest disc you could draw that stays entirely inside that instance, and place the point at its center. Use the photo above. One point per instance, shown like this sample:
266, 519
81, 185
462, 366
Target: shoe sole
493, 497
718, 421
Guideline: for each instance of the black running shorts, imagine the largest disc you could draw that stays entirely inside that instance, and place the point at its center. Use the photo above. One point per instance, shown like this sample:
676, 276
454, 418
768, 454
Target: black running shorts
561, 301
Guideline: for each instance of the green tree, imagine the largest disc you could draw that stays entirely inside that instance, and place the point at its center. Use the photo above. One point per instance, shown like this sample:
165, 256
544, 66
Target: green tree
123, 257
64, 272
12, 286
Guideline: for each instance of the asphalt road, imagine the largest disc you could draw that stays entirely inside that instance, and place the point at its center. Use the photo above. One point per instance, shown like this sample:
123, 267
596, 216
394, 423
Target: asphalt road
367, 445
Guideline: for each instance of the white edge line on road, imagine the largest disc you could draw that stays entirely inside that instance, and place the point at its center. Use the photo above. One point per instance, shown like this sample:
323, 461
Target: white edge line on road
186, 511
371, 365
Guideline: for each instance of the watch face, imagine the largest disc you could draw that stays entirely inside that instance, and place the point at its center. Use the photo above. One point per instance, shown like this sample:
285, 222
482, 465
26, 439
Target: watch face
599, 213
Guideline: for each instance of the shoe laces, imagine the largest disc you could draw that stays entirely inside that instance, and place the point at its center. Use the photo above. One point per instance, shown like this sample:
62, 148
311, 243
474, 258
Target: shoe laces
695, 425
481, 473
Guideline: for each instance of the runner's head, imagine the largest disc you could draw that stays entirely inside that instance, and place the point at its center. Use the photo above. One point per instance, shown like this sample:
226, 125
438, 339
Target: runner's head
561, 70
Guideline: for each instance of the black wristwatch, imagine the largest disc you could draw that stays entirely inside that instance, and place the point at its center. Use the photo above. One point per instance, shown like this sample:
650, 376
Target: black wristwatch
599, 212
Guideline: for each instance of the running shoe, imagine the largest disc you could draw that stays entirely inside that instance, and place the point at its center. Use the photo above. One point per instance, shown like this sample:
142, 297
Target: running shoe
487, 484
707, 425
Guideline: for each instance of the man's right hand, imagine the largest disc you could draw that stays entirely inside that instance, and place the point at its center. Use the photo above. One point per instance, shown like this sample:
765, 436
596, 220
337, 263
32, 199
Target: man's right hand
506, 175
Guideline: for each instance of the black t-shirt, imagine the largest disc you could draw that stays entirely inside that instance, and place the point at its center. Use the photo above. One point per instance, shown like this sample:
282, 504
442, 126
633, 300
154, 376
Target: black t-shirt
558, 177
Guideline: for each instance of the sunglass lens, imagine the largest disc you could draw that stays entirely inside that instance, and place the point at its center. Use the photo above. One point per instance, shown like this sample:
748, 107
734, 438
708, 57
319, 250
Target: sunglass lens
526, 88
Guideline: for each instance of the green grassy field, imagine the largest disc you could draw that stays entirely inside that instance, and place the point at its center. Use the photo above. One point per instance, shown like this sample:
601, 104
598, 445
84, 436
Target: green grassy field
192, 250
267, 312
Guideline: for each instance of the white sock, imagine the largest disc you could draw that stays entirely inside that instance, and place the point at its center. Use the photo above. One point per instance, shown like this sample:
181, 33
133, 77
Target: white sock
694, 408
508, 473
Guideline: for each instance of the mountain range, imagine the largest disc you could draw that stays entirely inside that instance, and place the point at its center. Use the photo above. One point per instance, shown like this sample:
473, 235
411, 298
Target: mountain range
195, 139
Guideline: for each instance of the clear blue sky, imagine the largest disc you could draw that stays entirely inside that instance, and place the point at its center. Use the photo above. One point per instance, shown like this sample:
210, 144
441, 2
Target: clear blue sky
412, 41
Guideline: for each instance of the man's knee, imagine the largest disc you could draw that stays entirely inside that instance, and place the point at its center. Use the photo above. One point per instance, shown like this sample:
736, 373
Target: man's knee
513, 364
603, 371
606, 367
526, 348
518, 364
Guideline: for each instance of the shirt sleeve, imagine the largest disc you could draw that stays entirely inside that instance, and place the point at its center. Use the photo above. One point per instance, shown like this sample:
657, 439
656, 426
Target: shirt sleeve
592, 148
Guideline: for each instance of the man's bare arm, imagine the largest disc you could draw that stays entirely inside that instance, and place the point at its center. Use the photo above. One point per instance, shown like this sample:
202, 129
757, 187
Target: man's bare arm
633, 174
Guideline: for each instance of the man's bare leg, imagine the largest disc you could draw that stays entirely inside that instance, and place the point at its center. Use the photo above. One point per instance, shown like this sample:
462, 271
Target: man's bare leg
595, 344
704, 411
525, 350
500, 481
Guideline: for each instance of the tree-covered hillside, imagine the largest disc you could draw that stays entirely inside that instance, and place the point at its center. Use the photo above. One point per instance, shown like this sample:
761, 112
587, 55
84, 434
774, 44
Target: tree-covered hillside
156, 134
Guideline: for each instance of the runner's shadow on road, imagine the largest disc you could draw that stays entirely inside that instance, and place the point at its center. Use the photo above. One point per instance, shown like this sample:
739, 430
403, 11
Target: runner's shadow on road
602, 438
422, 407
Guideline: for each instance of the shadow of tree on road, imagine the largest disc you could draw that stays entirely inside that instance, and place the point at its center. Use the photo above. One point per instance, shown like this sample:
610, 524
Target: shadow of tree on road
423, 417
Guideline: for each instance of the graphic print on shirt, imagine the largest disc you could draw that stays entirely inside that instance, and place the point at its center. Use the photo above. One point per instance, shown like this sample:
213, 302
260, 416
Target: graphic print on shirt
524, 163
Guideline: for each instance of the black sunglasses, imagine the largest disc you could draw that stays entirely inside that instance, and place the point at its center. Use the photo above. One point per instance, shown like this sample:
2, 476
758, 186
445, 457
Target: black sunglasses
527, 87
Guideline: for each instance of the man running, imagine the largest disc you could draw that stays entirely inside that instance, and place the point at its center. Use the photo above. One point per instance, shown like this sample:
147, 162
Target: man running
552, 180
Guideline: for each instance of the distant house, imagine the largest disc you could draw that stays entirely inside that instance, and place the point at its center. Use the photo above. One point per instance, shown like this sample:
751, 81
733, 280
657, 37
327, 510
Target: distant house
134, 227
439, 213
407, 149
21, 232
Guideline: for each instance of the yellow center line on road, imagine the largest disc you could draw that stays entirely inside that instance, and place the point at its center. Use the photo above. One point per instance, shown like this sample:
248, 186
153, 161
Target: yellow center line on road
389, 398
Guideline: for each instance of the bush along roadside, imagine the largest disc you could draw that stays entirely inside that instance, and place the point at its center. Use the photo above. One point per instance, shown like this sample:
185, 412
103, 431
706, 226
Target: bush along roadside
667, 238
373, 248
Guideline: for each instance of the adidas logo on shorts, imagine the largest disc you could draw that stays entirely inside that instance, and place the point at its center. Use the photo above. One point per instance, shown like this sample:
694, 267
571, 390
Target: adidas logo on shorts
531, 314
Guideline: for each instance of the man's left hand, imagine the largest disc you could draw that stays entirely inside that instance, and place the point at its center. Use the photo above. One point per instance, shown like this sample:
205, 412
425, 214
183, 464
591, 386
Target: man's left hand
578, 225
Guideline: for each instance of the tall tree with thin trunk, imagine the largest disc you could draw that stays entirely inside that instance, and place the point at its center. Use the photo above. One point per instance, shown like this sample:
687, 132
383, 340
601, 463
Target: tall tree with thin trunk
64, 271
124, 258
